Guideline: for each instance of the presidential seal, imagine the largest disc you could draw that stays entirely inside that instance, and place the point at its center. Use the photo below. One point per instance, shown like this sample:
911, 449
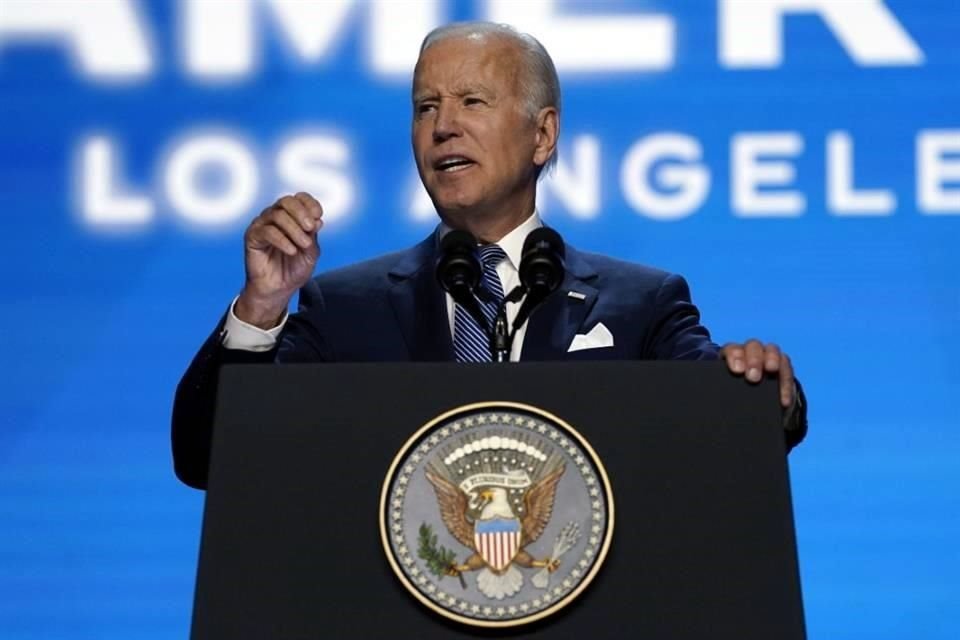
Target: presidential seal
496, 514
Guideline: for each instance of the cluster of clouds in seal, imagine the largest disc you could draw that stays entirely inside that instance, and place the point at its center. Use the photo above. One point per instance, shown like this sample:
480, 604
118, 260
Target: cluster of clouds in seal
495, 443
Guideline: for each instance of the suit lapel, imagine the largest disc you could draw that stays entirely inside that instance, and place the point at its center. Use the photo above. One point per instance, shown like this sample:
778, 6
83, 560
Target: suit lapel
552, 327
420, 304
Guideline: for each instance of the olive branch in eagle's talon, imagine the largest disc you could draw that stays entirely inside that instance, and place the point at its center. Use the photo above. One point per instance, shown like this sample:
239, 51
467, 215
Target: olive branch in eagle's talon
440, 560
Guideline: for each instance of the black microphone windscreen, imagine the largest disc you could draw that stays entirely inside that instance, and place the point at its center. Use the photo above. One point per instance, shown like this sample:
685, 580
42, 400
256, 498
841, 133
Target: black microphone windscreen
458, 269
458, 239
544, 236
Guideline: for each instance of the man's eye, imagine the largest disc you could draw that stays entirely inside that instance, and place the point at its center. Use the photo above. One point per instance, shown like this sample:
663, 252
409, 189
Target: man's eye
473, 101
425, 108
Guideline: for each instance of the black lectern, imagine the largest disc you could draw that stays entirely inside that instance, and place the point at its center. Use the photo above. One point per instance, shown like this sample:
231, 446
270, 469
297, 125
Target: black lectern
703, 544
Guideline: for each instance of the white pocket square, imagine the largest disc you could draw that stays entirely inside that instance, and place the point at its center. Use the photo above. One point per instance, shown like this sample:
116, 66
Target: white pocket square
596, 338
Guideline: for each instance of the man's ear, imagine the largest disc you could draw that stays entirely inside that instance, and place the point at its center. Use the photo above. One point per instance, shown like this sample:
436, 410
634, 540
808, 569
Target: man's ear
548, 130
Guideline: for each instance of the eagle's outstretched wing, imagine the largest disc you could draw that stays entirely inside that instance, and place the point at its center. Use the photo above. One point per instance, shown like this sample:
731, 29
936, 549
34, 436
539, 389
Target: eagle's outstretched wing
539, 505
453, 508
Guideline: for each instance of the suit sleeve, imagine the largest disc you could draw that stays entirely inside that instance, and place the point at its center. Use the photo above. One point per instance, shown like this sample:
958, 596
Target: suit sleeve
194, 403
677, 334
795, 419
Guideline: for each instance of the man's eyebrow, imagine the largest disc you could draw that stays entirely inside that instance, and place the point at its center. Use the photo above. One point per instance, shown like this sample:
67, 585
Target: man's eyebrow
459, 91
424, 95
464, 90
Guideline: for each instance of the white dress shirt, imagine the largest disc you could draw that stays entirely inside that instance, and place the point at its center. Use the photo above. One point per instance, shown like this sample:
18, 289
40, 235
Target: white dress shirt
509, 272
246, 337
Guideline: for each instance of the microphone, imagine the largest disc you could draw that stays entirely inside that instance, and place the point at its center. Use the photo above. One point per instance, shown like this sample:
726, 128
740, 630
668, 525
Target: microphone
541, 264
541, 270
459, 270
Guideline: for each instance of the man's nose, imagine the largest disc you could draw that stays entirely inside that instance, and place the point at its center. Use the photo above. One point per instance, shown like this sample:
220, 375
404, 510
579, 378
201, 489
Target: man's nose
447, 124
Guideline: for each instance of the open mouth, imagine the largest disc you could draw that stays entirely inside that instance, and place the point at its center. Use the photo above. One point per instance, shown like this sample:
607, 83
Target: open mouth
452, 164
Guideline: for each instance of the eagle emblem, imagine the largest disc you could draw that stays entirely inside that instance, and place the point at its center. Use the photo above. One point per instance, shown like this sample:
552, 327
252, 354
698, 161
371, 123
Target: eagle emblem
496, 514
483, 519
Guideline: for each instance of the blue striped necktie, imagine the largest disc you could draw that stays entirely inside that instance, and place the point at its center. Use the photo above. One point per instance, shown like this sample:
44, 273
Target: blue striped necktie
470, 340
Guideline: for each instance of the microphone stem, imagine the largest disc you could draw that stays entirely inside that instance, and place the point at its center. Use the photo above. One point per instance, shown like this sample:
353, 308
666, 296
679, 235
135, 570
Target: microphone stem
501, 339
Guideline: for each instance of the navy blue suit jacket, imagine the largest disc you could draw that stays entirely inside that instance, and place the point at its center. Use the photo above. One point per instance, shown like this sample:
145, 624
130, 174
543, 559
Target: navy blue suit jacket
391, 308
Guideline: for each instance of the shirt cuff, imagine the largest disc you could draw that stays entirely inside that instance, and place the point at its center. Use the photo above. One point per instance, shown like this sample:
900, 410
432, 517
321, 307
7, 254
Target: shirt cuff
243, 336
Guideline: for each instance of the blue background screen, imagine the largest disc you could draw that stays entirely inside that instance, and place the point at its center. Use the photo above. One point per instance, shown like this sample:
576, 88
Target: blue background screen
798, 162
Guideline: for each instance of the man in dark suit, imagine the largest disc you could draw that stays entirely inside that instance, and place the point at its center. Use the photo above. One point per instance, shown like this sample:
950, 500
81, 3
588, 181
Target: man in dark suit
486, 118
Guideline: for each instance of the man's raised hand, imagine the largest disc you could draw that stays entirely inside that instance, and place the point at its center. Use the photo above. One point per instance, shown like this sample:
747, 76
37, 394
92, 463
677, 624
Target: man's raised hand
280, 253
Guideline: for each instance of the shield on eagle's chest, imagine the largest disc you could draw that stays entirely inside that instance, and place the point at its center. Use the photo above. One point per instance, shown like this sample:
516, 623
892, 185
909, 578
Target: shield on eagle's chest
498, 541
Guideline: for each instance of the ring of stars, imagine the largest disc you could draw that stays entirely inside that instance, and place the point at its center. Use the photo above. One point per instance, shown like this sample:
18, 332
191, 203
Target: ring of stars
560, 585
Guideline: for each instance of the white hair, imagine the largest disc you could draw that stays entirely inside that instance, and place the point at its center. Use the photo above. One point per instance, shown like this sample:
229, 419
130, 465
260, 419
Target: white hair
540, 84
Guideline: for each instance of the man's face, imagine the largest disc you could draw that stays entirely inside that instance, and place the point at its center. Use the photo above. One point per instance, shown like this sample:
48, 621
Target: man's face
475, 146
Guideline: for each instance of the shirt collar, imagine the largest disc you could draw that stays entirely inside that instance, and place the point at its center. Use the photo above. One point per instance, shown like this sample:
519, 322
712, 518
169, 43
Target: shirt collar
512, 243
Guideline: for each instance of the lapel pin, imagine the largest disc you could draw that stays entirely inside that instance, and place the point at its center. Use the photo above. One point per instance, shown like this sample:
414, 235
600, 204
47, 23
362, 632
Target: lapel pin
576, 295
